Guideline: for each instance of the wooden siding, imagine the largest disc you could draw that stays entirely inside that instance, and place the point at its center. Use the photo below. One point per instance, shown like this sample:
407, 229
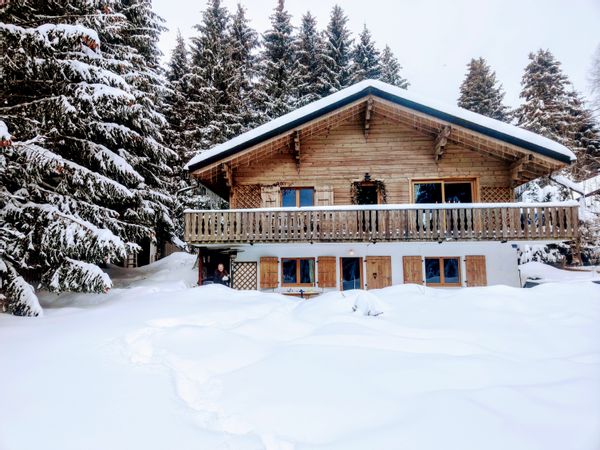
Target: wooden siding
393, 153
465, 221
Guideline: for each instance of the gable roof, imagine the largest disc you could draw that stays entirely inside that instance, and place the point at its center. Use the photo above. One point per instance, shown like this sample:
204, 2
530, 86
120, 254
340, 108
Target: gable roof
452, 114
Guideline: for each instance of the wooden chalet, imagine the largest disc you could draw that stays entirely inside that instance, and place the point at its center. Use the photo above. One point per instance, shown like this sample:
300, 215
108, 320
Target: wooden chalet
373, 186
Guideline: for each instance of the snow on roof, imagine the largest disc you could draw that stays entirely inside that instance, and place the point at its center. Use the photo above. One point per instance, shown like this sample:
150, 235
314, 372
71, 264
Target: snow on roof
585, 187
450, 113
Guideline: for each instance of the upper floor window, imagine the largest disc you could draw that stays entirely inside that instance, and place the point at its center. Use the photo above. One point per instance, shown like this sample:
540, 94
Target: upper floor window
444, 191
293, 197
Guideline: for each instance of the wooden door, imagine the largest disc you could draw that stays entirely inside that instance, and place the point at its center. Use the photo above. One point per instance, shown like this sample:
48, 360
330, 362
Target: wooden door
379, 272
269, 275
412, 266
476, 272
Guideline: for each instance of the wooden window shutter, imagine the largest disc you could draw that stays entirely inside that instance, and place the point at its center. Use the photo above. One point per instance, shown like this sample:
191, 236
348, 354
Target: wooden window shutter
412, 266
323, 196
476, 272
269, 274
326, 265
270, 196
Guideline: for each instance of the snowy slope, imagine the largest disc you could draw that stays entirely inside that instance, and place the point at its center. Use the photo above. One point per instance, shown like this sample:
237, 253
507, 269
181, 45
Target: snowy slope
451, 111
157, 364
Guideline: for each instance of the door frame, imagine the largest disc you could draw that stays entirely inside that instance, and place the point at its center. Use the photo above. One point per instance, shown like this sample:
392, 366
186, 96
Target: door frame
361, 270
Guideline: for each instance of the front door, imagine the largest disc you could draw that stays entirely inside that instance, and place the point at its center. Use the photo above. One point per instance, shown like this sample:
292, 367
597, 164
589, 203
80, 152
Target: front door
351, 273
379, 272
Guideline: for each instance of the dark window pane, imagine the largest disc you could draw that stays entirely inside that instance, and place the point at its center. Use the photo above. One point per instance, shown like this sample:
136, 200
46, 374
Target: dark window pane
432, 270
458, 193
351, 273
306, 197
367, 195
428, 193
288, 197
289, 271
451, 270
307, 271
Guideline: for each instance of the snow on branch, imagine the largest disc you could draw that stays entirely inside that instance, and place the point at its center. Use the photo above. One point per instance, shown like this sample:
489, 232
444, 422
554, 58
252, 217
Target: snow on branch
16, 295
78, 276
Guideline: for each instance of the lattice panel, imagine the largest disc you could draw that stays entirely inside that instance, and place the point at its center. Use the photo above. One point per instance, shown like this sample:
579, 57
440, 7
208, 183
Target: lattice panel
244, 275
247, 196
496, 194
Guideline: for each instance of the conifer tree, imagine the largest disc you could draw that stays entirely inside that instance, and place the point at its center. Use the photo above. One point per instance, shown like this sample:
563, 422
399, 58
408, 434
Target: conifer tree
390, 69
585, 139
545, 107
79, 173
242, 47
276, 82
309, 64
480, 92
208, 121
365, 58
338, 47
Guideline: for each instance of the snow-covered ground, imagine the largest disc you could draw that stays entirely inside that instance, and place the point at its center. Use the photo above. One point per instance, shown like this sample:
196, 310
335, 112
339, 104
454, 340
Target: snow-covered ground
159, 364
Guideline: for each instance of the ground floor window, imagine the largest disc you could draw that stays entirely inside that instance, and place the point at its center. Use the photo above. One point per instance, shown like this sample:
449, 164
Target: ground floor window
351, 273
442, 271
298, 271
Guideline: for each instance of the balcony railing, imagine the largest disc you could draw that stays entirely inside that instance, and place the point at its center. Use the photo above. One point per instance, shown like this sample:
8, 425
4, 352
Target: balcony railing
385, 223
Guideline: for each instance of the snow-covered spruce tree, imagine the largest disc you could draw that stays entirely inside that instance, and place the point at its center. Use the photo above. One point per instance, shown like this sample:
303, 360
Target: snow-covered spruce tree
585, 138
208, 121
480, 92
276, 83
545, 107
137, 46
242, 47
309, 63
72, 194
175, 107
365, 58
337, 54
390, 69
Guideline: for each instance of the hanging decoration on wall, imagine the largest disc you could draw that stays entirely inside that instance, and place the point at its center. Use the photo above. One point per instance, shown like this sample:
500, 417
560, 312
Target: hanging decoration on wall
368, 191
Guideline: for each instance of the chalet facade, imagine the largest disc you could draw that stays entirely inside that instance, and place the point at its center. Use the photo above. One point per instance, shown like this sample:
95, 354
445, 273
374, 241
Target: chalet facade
373, 186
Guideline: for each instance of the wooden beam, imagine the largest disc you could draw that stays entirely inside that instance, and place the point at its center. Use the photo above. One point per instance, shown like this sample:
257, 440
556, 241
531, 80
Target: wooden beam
517, 168
295, 147
440, 142
228, 174
368, 114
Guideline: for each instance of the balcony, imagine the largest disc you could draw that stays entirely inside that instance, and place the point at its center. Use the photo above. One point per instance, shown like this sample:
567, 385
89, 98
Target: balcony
385, 223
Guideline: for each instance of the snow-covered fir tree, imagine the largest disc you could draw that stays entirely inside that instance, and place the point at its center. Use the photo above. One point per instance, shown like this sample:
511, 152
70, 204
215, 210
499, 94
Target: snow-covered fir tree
276, 81
365, 58
390, 69
545, 107
243, 46
585, 138
208, 121
480, 92
81, 176
176, 104
309, 63
338, 51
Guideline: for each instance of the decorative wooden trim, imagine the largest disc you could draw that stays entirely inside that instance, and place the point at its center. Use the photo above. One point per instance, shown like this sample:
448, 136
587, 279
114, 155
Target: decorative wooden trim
368, 114
440, 142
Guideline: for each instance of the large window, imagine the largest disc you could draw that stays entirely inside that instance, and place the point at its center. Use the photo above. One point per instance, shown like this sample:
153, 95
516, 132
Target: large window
298, 271
293, 197
444, 191
442, 271
351, 273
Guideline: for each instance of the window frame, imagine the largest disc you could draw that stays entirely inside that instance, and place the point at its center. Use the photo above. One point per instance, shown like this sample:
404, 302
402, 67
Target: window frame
297, 189
442, 282
474, 181
297, 284
360, 270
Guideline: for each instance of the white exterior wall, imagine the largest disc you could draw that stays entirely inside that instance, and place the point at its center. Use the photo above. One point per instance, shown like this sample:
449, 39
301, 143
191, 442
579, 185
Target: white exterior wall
501, 258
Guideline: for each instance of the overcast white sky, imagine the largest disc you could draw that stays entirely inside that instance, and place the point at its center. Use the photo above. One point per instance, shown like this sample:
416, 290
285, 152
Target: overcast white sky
434, 39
